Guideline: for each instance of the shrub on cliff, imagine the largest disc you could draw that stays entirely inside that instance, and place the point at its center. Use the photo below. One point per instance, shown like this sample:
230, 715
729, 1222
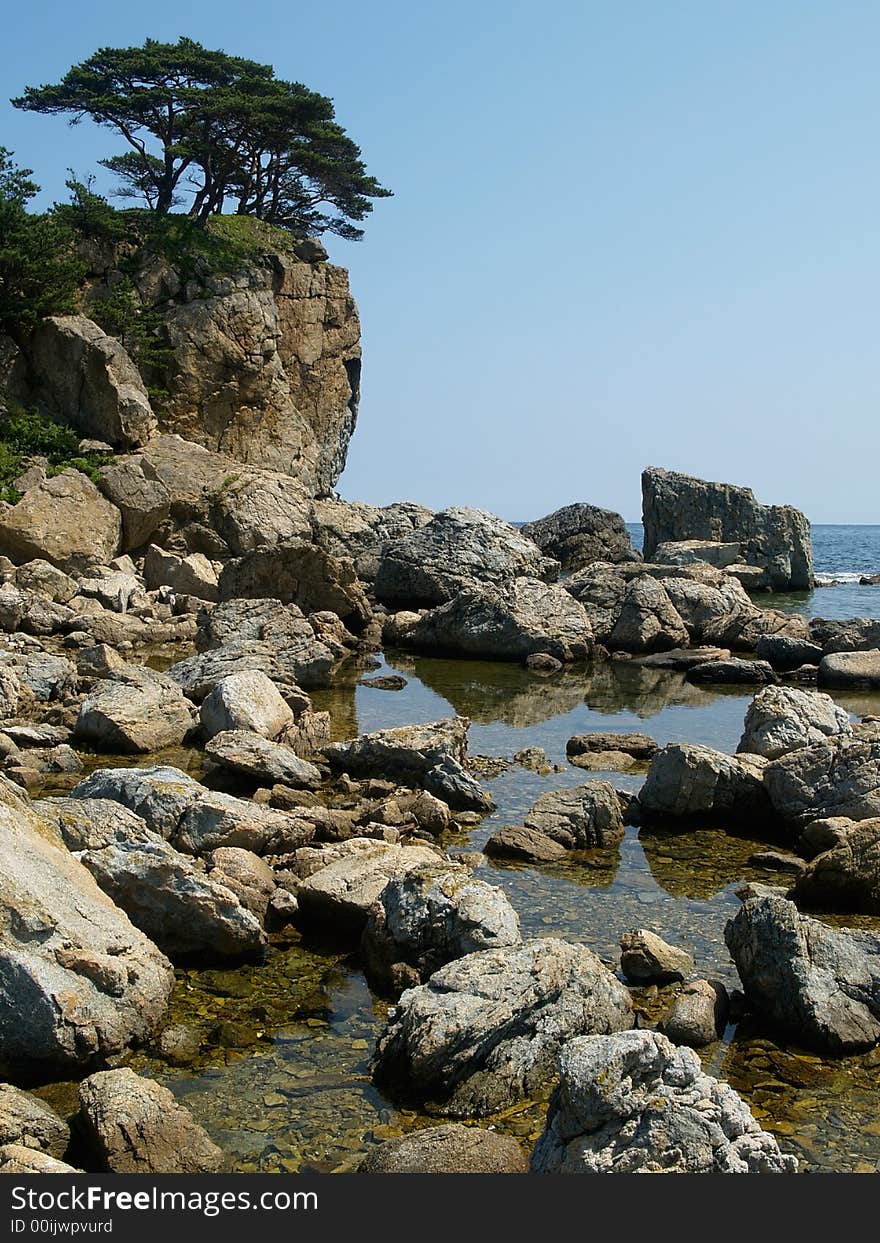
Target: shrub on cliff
38, 269
223, 125
28, 434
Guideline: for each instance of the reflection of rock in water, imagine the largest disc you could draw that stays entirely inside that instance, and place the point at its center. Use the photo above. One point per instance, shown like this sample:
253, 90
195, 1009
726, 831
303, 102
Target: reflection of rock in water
339, 701
489, 691
699, 864
618, 685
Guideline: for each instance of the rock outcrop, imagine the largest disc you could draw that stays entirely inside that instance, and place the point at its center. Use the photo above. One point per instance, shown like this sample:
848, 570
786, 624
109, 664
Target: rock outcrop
679, 507
65, 521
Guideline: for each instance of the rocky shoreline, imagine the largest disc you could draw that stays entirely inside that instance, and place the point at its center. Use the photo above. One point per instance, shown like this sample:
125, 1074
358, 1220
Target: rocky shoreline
189, 603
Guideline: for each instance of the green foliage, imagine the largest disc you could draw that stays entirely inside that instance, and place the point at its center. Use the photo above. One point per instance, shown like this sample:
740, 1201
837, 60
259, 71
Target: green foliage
223, 125
139, 328
89, 215
38, 270
26, 434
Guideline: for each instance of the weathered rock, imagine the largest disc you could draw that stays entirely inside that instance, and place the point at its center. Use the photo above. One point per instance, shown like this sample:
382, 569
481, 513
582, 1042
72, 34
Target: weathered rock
65, 521
19, 1159
196, 820
341, 893
406, 752
786, 653
850, 669
47, 580
606, 749
246, 874
256, 757
733, 672
584, 817
487, 1029
530, 845
458, 549
690, 552
781, 719
78, 983
290, 664
633, 1103
647, 959
819, 986
839, 777
265, 362
854, 634
295, 572
144, 503
449, 1149
698, 1014
193, 575
247, 701
362, 532
135, 1126
10, 693
391, 682
716, 609
648, 621
26, 1120
430, 916
524, 618
821, 835
143, 713
846, 877
680, 507
687, 782
86, 378
579, 534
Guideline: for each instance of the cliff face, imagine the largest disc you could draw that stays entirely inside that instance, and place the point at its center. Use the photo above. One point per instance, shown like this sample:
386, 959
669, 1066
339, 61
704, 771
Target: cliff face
261, 364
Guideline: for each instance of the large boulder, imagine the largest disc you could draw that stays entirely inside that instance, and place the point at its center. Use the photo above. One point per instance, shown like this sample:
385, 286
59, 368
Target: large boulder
846, 877
838, 777
78, 982
632, 1102
144, 503
585, 817
247, 701
140, 712
430, 916
781, 719
86, 379
716, 609
777, 537
852, 634
64, 520
647, 621
689, 783
512, 623
579, 534
133, 1125
487, 1029
448, 1149
816, 985
458, 549
192, 575
290, 664
300, 573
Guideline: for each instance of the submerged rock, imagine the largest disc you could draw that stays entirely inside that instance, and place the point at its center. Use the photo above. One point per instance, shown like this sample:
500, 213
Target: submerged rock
487, 1029
135, 1126
818, 986
632, 1102
449, 1149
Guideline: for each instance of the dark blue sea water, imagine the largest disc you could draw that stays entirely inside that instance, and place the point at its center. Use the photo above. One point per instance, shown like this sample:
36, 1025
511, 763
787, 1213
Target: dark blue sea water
842, 555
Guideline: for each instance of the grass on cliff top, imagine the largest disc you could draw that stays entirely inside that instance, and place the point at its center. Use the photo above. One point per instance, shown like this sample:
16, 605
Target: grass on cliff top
27, 434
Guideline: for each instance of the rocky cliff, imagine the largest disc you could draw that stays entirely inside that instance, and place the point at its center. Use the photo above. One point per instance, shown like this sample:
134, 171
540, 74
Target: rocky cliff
259, 360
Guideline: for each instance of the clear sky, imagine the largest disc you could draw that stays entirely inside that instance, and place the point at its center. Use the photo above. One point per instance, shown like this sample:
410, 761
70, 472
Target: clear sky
623, 233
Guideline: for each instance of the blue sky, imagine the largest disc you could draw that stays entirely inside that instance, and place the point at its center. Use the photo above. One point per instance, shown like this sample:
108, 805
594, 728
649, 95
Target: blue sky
622, 233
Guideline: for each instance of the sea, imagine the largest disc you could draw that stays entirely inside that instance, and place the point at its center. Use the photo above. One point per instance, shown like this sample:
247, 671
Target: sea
842, 554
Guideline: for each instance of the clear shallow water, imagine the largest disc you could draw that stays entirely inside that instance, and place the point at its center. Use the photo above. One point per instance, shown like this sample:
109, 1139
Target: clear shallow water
282, 1082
